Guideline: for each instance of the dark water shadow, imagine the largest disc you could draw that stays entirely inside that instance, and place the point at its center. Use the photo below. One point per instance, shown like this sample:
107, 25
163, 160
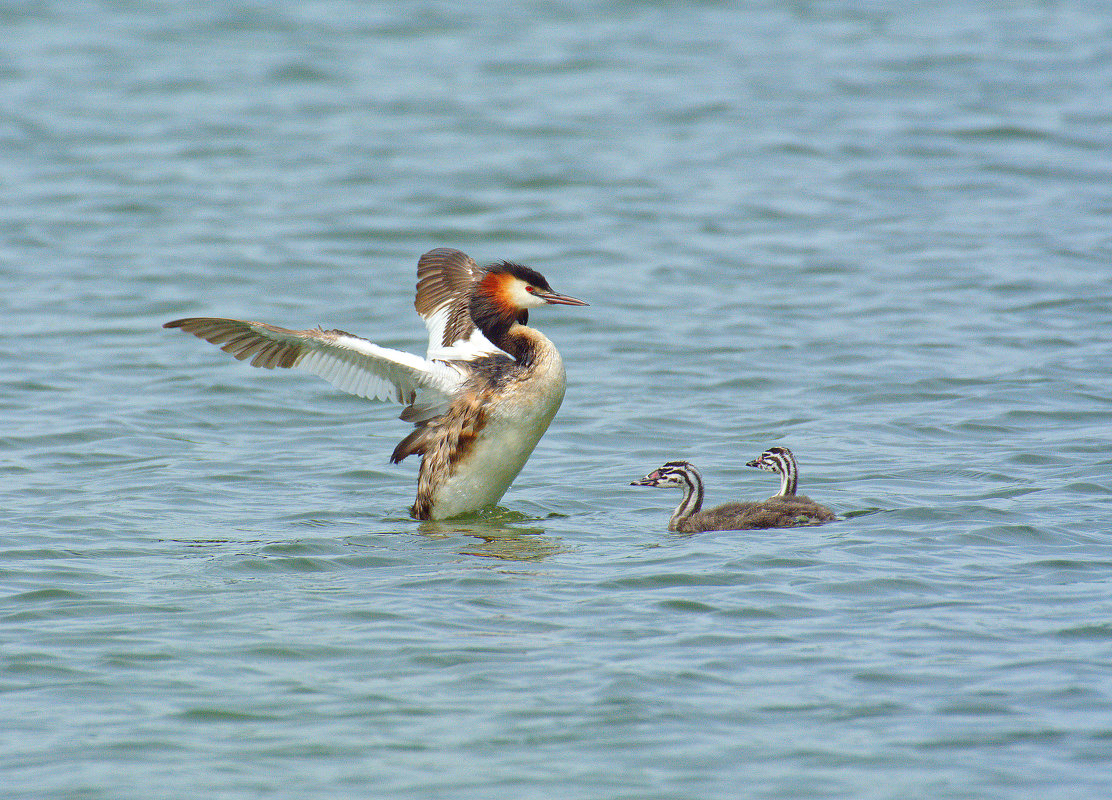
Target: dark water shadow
497, 533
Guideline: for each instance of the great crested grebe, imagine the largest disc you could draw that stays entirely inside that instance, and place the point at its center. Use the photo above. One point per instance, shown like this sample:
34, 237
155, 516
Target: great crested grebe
784, 510
481, 399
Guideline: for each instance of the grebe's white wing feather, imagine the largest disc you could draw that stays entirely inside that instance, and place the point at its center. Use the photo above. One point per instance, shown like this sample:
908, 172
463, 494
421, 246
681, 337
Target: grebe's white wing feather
348, 362
444, 281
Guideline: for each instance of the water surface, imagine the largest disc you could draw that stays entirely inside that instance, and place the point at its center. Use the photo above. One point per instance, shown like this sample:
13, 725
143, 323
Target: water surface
877, 236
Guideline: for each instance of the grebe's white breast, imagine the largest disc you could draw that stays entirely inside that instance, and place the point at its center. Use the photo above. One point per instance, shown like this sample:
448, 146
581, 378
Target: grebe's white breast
515, 415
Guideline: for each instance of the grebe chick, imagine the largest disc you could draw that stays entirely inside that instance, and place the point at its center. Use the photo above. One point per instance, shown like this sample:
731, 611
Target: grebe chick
480, 400
777, 512
781, 461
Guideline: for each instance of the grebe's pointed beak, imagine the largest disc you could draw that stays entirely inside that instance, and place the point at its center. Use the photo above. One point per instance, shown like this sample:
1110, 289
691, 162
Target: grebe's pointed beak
559, 299
648, 480
756, 462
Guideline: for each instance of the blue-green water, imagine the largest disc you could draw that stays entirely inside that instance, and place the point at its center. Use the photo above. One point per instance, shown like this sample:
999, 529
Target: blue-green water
878, 235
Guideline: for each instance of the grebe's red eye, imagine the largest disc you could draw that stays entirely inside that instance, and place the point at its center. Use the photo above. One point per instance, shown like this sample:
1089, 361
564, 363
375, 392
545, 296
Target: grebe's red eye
531, 289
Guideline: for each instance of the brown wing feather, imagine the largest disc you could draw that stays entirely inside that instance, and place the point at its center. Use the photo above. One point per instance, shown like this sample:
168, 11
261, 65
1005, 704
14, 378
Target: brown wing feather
348, 362
445, 276
242, 340
443, 446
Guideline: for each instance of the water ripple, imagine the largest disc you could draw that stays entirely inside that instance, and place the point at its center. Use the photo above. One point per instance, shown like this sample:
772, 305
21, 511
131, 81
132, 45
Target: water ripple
875, 234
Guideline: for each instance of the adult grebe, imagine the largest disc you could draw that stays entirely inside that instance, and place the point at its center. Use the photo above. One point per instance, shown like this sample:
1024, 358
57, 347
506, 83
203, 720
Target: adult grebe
481, 399
785, 510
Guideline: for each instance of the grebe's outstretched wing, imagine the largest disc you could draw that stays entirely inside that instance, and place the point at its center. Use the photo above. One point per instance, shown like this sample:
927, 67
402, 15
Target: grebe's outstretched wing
348, 362
445, 278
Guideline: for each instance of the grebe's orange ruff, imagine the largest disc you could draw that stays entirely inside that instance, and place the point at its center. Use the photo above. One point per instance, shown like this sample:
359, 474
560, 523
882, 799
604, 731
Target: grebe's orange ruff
481, 399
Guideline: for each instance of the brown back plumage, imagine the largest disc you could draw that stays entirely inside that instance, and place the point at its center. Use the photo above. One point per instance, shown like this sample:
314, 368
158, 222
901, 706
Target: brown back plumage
776, 512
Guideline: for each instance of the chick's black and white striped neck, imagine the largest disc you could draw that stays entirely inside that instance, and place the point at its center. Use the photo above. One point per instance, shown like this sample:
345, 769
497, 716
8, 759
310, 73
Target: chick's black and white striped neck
781, 461
687, 478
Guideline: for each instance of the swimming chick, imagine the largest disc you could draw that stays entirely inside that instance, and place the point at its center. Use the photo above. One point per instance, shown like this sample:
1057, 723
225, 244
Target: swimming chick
784, 510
